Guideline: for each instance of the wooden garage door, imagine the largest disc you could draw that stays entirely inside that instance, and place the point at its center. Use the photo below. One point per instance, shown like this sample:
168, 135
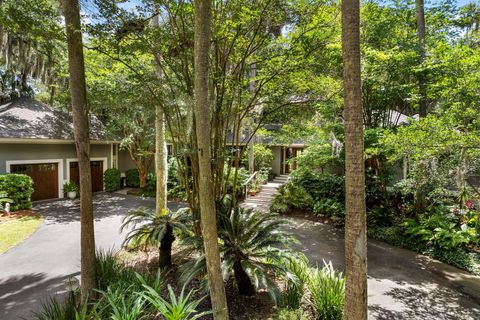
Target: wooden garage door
97, 174
44, 176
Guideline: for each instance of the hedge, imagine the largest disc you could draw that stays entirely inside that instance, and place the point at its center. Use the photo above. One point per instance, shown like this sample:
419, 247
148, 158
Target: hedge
132, 178
19, 188
111, 179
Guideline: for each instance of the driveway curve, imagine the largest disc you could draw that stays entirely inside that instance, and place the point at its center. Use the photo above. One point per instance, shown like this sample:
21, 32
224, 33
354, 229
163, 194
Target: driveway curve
402, 285
36, 268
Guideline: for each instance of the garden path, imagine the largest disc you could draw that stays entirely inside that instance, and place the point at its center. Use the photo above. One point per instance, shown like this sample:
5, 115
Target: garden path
401, 284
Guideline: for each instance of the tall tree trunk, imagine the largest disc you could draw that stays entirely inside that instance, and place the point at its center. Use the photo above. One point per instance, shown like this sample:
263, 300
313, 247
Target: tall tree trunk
422, 81
78, 92
355, 224
161, 153
206, 182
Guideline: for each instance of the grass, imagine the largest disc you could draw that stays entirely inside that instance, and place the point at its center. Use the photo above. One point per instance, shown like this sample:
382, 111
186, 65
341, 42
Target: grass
15, 230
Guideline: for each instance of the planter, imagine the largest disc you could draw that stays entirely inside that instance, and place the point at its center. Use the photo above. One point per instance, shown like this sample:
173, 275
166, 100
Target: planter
252, 193
72, 194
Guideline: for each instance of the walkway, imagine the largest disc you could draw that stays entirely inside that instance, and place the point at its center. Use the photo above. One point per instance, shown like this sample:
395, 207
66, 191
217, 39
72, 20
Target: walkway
401, 283
38, 266
262, 200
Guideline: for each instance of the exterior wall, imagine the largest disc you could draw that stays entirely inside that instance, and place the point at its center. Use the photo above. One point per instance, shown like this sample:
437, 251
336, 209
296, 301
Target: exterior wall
124, 161
276, 163
64, 153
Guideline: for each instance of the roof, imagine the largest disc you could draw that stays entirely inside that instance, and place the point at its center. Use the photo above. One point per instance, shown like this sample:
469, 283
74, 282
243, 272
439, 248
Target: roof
26, 118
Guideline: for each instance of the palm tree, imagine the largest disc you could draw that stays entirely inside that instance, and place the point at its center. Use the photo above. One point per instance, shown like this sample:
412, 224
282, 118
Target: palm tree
355, 224
151, 228
78, 90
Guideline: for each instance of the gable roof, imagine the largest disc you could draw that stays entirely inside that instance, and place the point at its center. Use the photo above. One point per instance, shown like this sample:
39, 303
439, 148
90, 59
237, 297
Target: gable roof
27, 118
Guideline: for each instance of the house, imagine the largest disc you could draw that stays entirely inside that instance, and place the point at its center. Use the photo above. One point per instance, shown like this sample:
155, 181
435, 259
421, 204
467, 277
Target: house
37, 140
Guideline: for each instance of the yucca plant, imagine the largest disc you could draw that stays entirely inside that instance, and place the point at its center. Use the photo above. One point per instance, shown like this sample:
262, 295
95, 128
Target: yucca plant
151, 228
53, 309
119, 304
252, 246
182, 307
297, 273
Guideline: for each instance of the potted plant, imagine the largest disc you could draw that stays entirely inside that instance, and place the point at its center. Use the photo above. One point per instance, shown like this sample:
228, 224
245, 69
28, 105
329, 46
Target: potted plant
71, 188
254, 188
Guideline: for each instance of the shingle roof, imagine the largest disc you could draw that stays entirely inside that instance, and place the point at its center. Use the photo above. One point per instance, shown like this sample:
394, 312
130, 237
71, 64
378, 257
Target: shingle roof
26, 118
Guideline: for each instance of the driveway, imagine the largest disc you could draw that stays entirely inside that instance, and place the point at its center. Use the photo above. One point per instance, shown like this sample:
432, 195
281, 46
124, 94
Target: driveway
401, 283
36, 268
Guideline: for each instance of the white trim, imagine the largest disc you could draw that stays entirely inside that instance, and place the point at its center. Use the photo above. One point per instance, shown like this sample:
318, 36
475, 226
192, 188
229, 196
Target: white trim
36, 161
51, 141
104, 159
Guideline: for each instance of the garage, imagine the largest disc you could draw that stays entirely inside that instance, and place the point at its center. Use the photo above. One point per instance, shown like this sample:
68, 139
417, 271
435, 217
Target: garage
44, 176
97, 174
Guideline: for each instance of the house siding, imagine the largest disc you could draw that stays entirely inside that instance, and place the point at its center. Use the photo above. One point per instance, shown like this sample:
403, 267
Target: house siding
9, 152
277, 162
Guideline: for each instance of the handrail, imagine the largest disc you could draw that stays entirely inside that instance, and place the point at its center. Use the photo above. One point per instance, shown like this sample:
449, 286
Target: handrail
245, 185
250, 178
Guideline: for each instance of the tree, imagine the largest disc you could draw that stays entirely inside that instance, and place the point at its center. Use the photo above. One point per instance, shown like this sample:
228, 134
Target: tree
422, 83
206, 183
355, 223
78, 91
160, 149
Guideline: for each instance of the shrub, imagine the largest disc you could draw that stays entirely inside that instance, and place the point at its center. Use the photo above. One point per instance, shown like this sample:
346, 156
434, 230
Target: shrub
19, 188
321, 185
132, 178
327, 289
289, 314
263, 156
111, 179
329, 207
291, 196
150, 189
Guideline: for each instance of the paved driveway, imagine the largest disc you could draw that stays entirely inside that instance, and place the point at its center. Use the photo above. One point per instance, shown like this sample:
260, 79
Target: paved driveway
402, 285
37, 267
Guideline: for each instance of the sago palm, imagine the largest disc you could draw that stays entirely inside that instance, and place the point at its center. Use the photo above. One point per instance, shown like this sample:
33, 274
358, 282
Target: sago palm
151, 228
252, 247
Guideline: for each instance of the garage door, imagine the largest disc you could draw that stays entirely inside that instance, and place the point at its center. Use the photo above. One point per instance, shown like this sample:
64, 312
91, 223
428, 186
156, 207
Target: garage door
97, 174
44, 176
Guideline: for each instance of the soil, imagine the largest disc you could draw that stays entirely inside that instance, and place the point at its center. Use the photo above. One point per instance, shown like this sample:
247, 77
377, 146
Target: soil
258, 307
307, 215
4, 217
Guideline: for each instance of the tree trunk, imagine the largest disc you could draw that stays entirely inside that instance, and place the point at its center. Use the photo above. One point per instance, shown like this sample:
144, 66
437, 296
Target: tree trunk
244, 284
165, 257
355, 224
161, 165
422, 81
206, 182
82, 142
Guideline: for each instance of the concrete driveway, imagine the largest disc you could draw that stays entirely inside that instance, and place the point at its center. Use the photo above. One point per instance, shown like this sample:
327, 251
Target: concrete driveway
36, 268
401, 283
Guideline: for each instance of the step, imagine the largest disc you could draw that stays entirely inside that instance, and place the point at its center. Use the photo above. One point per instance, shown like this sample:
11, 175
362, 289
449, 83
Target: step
250, 200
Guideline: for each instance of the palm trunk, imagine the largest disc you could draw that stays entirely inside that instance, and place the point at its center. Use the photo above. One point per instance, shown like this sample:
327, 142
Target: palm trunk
422, 82
355, 224
165, 258
82, 141
206, 182
244, 284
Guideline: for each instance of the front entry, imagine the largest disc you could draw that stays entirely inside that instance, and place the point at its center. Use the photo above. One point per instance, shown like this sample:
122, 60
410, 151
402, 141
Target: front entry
44, 176
97, 174
288, 158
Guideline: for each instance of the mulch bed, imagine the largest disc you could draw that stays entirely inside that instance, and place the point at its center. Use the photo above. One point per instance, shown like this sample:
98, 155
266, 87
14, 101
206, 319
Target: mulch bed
339, 223
239, 307
4, 217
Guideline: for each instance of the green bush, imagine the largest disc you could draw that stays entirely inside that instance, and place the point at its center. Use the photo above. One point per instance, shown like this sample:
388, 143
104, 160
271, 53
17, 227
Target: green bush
19, 188
327, 290
150, 189
132, 178
291, 196
111, 179
289, 314
263, 157
329, 208
321, 185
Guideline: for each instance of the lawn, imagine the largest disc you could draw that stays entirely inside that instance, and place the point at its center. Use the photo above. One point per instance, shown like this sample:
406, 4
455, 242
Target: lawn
17, 228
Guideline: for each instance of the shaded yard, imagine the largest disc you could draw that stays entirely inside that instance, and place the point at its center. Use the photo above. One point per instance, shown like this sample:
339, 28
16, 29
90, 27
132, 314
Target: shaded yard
17, 228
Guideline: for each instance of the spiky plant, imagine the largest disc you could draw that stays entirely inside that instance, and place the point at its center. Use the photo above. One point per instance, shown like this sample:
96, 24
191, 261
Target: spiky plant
151, 228
252, 246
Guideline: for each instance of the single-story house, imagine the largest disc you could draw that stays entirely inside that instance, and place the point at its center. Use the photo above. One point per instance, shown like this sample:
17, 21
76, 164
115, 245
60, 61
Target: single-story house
37, 140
